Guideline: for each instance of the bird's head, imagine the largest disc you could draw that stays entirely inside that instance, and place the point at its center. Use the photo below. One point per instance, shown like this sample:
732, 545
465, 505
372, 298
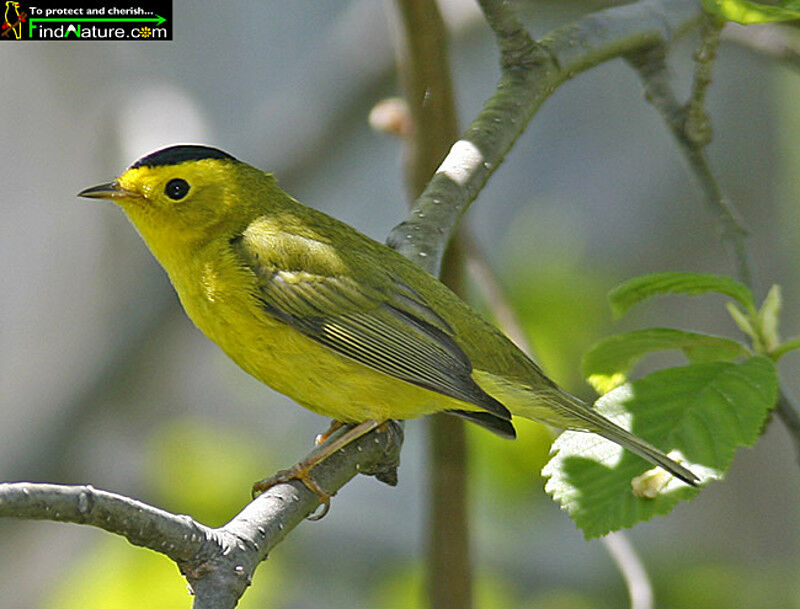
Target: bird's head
184, 194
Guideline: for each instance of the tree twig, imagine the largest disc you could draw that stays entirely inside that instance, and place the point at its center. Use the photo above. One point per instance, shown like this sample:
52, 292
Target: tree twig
697, 126
517, 47
494, 295
523, 87
789, 413
218, 562
650, 64
632, 569
429, 91
622, 552
179, 537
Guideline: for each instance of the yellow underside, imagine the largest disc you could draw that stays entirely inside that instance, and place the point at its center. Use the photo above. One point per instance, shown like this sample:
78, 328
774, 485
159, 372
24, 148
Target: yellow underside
311, 374
320, 379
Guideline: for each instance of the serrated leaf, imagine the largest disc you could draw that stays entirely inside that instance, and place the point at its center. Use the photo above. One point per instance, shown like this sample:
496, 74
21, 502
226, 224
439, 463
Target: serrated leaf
609, 361
745, 12
768, 317
704, 411
635, 290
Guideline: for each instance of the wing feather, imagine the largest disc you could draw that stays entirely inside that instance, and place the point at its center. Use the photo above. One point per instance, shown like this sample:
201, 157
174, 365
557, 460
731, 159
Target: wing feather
384, 324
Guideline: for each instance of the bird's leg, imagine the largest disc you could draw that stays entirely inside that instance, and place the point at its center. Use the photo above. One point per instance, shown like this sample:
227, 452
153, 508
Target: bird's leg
302, 470
321, 438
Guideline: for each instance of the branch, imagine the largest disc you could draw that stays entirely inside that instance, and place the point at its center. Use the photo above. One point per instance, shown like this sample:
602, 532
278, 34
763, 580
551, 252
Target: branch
620, 549
429, 91
697, 126
631, 568
517, 48
179, 537
218, 562
692, 136
530, 74
789, 414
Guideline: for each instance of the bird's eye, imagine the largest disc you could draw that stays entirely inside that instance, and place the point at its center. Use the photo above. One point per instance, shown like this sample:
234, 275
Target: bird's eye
176, 189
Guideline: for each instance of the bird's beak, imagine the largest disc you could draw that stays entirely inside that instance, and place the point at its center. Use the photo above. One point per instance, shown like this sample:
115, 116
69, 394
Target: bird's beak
111, 190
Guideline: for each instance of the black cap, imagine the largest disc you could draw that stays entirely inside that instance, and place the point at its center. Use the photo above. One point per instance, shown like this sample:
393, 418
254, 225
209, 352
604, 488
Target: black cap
180, 154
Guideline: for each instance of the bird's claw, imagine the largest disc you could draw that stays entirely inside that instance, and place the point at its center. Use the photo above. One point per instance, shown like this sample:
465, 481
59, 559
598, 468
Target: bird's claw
302, 473
323, 437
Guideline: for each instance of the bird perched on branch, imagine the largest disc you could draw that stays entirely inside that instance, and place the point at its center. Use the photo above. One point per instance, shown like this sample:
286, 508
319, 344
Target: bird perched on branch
344, 325
12, 20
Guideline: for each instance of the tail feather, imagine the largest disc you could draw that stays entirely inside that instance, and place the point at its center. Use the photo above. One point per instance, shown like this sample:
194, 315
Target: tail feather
647, 451
553, 406
597, 423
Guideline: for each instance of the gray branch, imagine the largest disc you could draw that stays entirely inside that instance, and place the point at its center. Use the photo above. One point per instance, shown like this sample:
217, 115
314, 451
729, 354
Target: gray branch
179, 537
651, 65
218, 562
531, 72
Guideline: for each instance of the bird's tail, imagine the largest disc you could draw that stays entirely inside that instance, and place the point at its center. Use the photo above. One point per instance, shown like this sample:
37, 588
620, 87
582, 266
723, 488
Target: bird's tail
636, 445
552, 406
584, 418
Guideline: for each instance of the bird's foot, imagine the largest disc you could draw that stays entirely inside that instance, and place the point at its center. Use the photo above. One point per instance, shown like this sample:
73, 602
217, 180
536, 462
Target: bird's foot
302, 472
321, 438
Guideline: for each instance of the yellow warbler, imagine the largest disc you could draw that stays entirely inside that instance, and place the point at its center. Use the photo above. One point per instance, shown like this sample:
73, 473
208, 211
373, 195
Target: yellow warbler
344, 325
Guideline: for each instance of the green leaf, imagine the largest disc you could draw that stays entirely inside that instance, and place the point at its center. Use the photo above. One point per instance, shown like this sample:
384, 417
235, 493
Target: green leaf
607, 364
635, 290
745, 12
702, 411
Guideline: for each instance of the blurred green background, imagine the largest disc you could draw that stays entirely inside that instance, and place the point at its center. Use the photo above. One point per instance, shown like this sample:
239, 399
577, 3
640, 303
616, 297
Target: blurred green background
105, 381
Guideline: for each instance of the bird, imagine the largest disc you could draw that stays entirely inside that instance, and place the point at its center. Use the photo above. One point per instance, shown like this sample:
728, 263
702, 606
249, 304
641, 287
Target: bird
12, 20
342, 324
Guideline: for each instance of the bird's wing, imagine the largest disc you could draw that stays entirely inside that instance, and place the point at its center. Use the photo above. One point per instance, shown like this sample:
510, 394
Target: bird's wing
379, 321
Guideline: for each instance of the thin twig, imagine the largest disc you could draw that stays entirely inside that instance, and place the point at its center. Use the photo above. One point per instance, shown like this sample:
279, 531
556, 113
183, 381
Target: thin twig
218, 563
494, 295
789, 413
650, 64
517, 47
697, 126
632, 569
522, 89
179, 537
429, 92
622, 552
